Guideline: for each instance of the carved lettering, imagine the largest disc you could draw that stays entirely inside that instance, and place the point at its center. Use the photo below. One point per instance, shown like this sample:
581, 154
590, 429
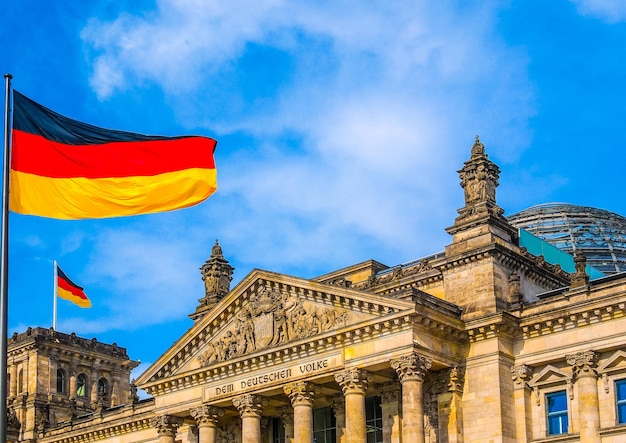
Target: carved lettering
224, 389
265, 378
314, 366
278, 376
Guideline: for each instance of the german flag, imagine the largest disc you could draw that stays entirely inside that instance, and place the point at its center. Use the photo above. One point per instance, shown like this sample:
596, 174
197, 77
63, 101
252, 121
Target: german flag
70, 291
62, 168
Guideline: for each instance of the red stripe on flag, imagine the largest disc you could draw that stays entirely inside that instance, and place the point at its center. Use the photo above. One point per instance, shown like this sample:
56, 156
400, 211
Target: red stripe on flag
73, 289
37, 155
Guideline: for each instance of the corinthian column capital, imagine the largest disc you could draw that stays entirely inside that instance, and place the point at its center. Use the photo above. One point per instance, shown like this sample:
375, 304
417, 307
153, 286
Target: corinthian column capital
521, 374
166, 425
583, 363
411, 367
300, 393
207, 415
353, 381
249, 405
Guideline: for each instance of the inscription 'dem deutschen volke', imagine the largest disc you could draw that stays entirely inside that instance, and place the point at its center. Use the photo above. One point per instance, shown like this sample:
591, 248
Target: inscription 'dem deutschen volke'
269, 378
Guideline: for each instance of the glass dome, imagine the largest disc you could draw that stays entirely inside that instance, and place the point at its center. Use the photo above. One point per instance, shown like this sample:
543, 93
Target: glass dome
599, 234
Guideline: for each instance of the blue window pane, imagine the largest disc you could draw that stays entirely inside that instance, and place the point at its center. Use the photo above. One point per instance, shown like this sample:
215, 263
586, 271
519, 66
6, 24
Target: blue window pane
557, 425
556, 405
620, 393
557, 402
621, 413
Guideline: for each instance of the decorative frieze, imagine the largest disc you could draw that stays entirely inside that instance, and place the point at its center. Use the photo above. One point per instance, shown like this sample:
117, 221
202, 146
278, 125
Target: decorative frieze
269, 318
249, 405
353, 381
411, 367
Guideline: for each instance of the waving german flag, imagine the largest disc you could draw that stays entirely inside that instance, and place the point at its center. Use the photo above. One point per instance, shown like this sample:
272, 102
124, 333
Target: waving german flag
68, 290
66, 169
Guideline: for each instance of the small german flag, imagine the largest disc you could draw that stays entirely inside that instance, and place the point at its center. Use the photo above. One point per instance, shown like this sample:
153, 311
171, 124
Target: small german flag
68, 290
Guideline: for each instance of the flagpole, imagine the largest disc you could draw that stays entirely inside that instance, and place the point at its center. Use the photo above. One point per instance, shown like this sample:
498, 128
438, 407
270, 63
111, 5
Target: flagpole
4, 267
54, 303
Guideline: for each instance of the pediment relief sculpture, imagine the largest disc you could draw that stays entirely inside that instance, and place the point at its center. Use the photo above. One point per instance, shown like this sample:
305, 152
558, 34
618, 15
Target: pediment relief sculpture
270, 318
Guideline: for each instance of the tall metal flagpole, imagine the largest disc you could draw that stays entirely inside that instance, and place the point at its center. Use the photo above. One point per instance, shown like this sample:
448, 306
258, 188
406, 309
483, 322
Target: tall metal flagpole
4, 267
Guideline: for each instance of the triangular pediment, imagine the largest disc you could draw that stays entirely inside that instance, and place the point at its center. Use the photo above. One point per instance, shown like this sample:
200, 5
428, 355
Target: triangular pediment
615, 363
269, 314
548, 376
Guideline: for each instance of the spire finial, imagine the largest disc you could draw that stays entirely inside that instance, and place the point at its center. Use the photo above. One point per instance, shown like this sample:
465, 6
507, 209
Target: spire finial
216, 250
478, 148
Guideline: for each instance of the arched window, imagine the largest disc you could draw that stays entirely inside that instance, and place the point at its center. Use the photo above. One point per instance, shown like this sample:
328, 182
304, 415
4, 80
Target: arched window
103, 388
61, 381
81, 385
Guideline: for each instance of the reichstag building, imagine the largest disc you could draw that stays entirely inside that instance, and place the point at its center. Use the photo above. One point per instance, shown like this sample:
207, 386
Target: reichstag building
488, 341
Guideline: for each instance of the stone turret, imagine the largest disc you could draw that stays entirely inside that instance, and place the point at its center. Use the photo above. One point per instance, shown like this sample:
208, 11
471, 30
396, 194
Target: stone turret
480, 220
217, 273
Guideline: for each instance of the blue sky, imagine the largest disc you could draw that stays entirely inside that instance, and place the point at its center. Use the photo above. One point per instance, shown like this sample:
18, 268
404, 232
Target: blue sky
340, 128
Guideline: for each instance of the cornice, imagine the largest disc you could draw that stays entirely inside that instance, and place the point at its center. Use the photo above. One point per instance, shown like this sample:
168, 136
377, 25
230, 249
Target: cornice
563, 318
517, 259
498, 325
82, 431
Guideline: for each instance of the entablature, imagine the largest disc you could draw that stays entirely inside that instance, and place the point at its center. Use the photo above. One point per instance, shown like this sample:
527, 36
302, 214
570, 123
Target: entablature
501, 324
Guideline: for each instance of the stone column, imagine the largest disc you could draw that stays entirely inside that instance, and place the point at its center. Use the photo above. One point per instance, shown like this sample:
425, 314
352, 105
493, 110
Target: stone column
301, 394
93, 396
411, 370
206, 417
250, 407
166, 426
354, 383
389, 405
286, 418
583, 368
114, 396
521, 397
52, 373
13, 381
73, 375
339, 408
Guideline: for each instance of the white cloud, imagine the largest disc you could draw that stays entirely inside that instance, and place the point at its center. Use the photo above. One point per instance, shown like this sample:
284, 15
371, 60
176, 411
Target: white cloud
356, 116
611, 11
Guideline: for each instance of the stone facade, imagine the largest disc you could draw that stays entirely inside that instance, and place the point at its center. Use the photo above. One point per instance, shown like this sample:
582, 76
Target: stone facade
481, 343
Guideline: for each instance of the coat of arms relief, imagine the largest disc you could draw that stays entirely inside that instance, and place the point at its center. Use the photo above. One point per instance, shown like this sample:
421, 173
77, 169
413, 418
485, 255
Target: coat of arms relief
270, 318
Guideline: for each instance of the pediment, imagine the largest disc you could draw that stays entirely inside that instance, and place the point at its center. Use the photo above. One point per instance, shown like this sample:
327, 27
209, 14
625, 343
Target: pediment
267, 312
550, 375
615, 363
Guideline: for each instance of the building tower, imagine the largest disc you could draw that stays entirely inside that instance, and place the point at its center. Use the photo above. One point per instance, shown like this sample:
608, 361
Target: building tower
55, 377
